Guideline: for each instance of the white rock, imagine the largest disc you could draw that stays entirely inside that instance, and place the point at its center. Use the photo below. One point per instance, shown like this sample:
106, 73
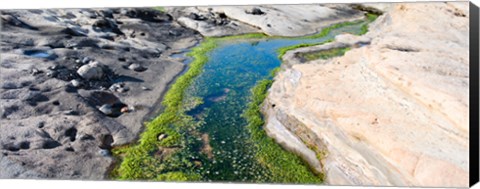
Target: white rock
92, 70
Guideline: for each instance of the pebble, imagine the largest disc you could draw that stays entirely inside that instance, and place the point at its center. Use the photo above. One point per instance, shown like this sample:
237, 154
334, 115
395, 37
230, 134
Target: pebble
85, 60
35, 71
106, 109
69, 112
136, 67
162, 136
124, 109
76, 83
118, 87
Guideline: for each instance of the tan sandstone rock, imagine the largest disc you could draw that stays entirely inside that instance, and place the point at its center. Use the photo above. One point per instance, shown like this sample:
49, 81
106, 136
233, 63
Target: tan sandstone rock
394, 112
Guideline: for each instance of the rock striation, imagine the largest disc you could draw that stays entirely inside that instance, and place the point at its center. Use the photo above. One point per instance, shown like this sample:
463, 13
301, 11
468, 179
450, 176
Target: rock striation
391, 111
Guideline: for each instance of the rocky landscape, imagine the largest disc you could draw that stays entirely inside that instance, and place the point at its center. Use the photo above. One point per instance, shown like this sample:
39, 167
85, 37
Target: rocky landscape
77, 82
392, 111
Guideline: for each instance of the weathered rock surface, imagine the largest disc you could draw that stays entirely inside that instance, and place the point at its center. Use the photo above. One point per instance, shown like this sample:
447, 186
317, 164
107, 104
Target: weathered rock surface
275, 20
393, 111
53, 93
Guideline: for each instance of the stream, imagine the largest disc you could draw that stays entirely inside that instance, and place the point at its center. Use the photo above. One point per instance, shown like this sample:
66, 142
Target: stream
224, 85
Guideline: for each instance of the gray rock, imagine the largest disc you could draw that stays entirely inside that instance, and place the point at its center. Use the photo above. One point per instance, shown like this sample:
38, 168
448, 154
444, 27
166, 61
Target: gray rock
9, 85
92, 70
106, 109
76, 83
86, 60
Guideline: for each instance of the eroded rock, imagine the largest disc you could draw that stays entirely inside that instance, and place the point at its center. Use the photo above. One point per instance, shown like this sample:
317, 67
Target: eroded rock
393, 112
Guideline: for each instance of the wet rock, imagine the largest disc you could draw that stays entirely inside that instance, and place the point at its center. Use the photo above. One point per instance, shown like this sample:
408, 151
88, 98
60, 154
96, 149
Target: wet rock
137, 67
91, 71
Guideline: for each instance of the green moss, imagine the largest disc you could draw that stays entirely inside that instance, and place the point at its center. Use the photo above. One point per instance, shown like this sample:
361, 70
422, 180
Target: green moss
284, 50
161, 9
175, 176
370, 18
324, 54
137, 162
192, 103
285, 167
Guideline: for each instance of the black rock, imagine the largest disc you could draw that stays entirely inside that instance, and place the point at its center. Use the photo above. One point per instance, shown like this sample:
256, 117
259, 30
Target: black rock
256, 11
195, 16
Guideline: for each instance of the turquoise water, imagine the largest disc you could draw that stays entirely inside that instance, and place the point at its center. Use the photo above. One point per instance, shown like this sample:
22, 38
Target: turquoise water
233, 68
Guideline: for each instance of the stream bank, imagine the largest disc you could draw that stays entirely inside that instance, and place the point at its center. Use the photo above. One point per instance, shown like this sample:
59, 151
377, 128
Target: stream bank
201, 134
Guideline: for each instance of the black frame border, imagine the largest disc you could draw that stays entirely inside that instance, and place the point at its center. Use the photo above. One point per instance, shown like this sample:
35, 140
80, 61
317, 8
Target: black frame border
474, 90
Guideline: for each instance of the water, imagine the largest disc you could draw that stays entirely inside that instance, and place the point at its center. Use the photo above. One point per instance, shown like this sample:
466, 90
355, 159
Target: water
234, 67
40, 54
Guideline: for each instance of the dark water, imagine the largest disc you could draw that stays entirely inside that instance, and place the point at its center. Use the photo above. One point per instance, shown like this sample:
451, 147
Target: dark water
234, 67
40, 54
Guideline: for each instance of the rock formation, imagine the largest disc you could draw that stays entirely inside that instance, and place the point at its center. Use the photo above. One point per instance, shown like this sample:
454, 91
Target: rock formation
69, 91
392, 111
274, 20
